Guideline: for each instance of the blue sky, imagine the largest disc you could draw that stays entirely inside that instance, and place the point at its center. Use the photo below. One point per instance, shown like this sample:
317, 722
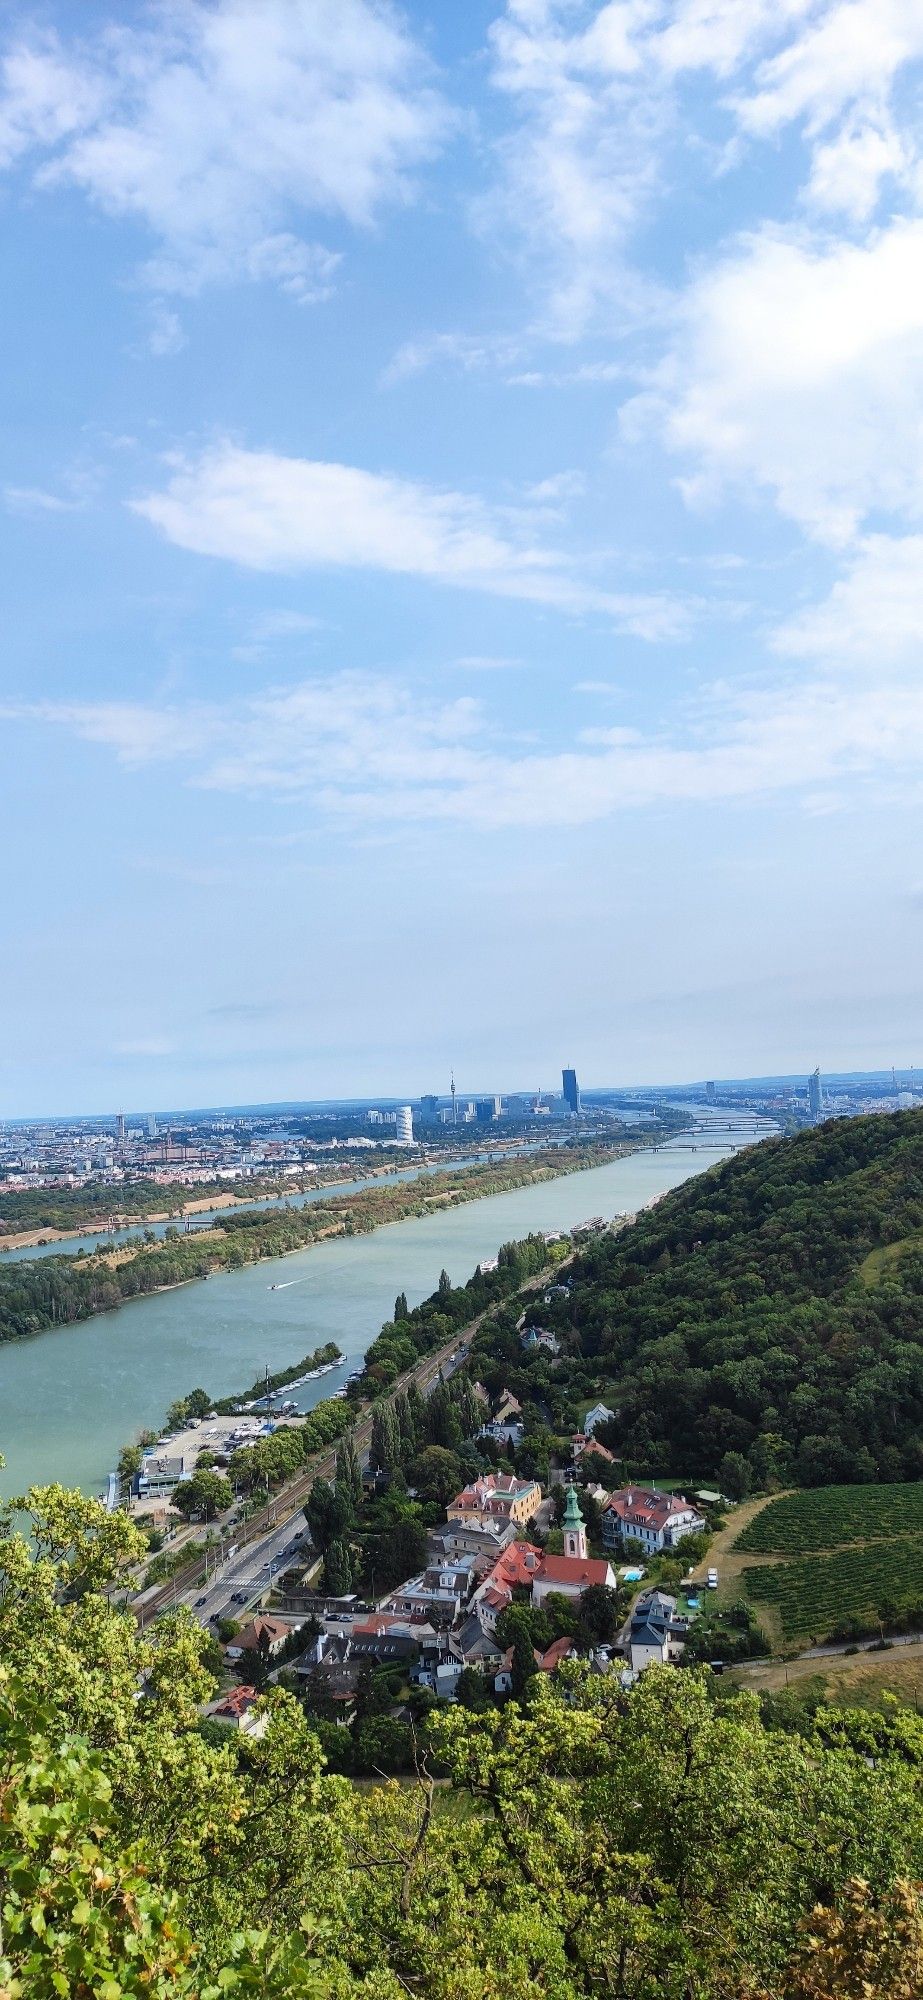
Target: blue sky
463, 560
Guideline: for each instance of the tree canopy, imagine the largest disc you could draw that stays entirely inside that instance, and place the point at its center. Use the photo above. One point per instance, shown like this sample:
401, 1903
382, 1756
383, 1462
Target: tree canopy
656, 1844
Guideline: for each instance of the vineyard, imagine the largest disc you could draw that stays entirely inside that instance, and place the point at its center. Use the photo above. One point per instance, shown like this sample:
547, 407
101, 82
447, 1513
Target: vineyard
815, 1597
826, 1517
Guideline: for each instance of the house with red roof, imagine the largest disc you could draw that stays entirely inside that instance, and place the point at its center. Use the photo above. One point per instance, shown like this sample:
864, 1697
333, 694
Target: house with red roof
657, 1520
236, 1709
496, 1497
513, 1570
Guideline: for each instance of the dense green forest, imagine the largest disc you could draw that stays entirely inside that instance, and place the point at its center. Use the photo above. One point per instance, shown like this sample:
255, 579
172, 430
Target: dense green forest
44, 1292
584, 1843
764, 1322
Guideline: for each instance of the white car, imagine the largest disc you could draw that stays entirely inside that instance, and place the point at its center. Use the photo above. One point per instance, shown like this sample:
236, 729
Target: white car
712, 1579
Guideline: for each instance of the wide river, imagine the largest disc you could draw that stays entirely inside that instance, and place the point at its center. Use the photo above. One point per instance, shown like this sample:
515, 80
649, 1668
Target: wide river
70, 1399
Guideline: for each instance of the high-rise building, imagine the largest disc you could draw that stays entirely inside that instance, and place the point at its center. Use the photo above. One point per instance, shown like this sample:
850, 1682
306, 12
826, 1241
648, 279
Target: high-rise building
404, 1132
120, 1128
487, 1109
151, 1125
709, 1093
815, 1095
429, 1108
571, 1092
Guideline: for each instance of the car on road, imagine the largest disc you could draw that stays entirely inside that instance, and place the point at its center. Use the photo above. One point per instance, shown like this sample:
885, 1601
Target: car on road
712, 1579
239, 1597
200, 1601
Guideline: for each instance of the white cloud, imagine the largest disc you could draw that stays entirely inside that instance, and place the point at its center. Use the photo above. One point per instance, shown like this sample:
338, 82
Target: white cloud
35, 500
216, 125
603, 123
268, 512
873, 616
582, 162
370, 749
799, 366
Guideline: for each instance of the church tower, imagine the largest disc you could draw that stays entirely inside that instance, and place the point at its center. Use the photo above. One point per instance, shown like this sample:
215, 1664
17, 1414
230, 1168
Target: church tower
574, 1530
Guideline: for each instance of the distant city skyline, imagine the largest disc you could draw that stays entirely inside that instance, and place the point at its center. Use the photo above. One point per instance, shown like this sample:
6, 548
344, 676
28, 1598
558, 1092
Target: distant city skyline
902, 1078
460, 536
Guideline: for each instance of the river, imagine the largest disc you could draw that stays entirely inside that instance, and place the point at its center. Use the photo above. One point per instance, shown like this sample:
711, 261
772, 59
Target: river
70, 1399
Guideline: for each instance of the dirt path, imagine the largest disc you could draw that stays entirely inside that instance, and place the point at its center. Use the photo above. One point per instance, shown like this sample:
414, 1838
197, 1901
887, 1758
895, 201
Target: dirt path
721, 1555
845, 1677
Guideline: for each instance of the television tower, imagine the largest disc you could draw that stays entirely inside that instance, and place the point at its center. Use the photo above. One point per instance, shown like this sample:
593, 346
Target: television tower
454, 1105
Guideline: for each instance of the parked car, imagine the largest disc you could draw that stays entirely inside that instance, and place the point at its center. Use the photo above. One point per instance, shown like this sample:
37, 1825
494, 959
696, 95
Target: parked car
712, 1579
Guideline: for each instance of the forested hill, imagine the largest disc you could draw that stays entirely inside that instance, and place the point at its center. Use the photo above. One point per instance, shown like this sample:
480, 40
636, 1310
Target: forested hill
773, 1308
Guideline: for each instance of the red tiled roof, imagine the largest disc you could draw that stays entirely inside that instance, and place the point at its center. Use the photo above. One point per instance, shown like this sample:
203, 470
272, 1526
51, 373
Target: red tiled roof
573, 1570
236, 1702
646, 1509
557, 1651
517, 1565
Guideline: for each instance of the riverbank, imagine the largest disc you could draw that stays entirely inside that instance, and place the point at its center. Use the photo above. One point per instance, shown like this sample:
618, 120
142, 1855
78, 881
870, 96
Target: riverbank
56, 1292
263, 1191
67, 1406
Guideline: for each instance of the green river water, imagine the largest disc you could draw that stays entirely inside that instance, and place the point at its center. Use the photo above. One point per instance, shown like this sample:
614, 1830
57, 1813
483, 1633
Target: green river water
70, 1399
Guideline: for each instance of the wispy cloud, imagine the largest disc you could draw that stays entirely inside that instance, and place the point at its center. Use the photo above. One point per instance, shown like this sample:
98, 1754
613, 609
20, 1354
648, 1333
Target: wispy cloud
35, 500
370, 749
268, 512
217, 127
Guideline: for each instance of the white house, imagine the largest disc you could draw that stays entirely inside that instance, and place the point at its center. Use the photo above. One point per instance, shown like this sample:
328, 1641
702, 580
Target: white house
599, 1414
657, 1520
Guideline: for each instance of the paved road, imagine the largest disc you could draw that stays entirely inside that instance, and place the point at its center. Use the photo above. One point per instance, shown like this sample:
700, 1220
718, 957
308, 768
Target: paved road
255, 1536
239, 1582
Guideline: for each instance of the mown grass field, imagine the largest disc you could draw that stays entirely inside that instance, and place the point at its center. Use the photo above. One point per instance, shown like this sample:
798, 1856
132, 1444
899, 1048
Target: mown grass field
829, 1517
875, 1265
813, 1595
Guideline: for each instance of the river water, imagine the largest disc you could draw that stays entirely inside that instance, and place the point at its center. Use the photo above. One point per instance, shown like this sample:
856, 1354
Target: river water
71, 1398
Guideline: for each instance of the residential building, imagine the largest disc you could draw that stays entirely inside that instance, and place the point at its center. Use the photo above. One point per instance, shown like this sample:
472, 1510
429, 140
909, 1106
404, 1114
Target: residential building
236, 1708
457, 1538
262, 1635
581, 1443
816, 1096
510, 1432
656, 1520
513, 1570
571, 1092
496, 1497
599, 1414
404, 1125
655, 1634
438, 1594
534, 1337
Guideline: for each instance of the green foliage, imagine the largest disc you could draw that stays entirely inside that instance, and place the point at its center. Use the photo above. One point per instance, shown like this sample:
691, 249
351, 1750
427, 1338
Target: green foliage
206, 1494
732, 1324
589, 1844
